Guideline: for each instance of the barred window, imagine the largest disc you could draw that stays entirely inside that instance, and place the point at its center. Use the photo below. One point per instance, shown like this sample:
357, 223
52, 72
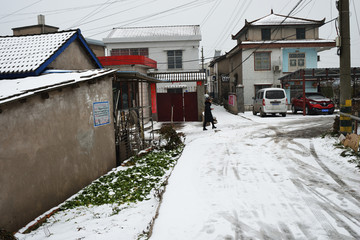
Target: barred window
296, 61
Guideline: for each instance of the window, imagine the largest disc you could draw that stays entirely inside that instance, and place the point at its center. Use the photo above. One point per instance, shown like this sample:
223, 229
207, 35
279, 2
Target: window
265, 34
174, 90
130, 51
262, 61
296, 61
275, 94
300, 33
174, 59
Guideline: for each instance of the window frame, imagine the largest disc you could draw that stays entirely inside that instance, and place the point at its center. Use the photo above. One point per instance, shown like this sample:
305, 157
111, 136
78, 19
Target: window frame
300, 33
266, 34
174, 59
261, 68
129, 51
296, 61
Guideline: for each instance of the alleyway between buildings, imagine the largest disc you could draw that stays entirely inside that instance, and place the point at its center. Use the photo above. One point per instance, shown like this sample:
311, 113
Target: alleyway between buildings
251, 178
261, 178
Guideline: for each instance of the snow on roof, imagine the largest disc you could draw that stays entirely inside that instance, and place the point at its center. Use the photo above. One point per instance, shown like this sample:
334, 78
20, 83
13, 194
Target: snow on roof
20, 54
276, 19
289, 41
13, 89
160, 33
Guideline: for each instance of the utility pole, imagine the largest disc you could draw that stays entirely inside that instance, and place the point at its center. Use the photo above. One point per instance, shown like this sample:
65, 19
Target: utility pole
345, 66
202, 59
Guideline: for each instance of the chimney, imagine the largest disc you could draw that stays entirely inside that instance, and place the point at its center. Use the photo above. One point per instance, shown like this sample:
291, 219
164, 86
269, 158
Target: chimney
35, 29
41, 19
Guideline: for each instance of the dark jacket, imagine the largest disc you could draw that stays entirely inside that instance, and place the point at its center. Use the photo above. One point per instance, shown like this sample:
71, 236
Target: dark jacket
208, 114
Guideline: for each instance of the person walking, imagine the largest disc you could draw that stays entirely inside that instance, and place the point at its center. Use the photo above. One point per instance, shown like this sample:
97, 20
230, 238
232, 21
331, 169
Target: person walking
208, 115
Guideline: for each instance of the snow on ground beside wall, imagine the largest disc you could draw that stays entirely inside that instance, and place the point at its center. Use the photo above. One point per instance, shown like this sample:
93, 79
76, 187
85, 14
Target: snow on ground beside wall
245, 180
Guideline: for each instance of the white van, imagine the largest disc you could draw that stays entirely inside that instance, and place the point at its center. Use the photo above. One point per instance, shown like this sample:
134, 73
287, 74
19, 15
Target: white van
270, 100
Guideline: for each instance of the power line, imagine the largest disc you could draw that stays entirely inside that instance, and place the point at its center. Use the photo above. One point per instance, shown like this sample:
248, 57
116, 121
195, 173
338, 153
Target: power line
116, 13
264, 44
10, 14
139, 19
356, 17
101, 7
212, 10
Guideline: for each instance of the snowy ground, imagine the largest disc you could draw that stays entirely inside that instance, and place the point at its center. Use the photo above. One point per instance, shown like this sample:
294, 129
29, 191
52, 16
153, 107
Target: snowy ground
251, 178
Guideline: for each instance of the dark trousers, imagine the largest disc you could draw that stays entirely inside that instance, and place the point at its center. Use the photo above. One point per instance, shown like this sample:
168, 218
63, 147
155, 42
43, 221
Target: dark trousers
212, 122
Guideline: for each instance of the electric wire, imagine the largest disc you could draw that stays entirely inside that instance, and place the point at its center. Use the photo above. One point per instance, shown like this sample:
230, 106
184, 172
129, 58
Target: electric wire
266, 44
95, 11
10, 14
113, 14
356, 17
147, 17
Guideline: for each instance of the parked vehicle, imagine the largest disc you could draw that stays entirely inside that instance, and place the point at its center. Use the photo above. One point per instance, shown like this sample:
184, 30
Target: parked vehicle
314, 103
270, 101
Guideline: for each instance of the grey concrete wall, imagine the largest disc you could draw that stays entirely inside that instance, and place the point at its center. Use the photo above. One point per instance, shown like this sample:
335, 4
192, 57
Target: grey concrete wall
50, 149
74, 57
99, 51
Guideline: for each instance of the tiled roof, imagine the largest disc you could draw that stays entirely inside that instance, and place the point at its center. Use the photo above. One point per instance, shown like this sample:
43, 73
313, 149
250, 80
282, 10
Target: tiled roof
29, 55
26, 53
180, 32
276, 19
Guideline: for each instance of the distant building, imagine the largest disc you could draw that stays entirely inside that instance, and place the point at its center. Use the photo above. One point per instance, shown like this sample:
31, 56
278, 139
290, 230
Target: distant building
41, 27
176, 51
267, 48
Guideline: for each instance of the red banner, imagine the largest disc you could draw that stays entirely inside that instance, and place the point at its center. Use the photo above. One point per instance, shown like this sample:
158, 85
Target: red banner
153, 97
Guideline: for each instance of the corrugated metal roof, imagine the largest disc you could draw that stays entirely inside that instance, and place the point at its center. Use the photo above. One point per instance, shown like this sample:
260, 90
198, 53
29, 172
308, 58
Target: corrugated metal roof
14, 89
190, 32
26, 53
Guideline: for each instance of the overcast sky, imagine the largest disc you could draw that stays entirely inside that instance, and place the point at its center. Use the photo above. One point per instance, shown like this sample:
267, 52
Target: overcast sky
218, 19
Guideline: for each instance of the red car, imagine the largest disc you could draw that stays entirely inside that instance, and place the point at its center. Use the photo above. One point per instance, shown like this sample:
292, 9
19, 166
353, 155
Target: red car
314, 103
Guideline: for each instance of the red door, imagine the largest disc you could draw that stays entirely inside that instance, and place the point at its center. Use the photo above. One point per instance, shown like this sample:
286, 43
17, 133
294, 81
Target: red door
170, 104
190, 106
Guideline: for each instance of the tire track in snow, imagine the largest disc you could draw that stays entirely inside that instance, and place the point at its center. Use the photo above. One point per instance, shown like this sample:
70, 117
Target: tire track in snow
314, 208
336, 178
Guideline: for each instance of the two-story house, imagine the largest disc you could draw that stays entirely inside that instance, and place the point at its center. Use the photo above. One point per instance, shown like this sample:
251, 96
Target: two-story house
268, 48
176, 51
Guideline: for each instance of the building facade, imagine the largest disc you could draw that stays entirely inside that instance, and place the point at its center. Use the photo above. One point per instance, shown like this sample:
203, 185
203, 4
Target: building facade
176, 51
267, 49
57, 132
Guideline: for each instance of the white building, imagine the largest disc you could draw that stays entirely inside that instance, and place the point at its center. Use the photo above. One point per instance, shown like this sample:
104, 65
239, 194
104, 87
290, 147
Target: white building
175, 48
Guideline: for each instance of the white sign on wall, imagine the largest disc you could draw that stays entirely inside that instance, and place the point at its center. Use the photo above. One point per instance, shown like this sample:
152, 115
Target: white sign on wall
101, 112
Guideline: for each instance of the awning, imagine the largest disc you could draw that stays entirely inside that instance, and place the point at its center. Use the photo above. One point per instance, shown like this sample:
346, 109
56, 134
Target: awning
137, 76
180, 76
319, 74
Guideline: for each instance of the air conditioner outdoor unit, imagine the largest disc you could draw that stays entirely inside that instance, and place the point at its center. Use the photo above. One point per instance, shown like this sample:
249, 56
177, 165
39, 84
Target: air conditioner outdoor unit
276, 68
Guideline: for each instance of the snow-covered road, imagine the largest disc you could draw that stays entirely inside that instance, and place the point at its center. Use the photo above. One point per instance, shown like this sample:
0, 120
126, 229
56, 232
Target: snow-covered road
260, 178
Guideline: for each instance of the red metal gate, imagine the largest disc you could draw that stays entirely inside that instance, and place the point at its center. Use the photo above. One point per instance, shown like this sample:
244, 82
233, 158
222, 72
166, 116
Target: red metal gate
181, 108
190, 106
